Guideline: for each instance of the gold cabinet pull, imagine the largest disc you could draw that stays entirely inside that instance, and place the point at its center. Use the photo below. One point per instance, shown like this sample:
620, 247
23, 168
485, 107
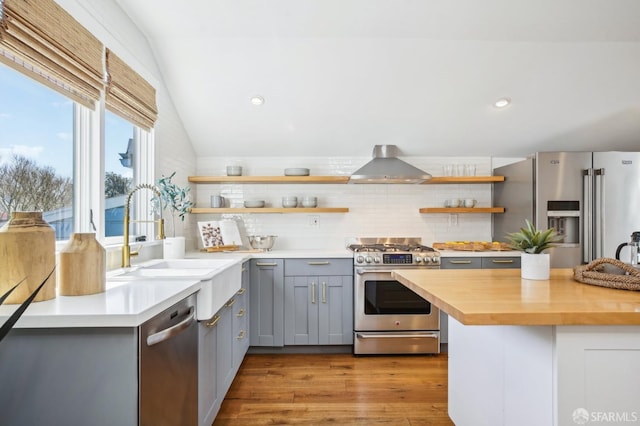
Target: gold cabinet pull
241, 291
213, 321
460, 262
326, 262
324, 292
502, 261
313, 292
240, 313
241, 335
266, 264
230, 303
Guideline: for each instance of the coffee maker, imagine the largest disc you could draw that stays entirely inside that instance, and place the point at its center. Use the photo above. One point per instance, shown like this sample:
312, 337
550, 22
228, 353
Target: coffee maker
634, 245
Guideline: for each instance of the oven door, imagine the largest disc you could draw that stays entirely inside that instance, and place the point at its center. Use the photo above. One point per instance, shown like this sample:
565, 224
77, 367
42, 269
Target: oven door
384, 304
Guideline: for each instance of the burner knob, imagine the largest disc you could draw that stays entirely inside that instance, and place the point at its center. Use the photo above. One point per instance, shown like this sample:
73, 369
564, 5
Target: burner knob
368, 259
359, 259
418, 259
435, 260
376, 259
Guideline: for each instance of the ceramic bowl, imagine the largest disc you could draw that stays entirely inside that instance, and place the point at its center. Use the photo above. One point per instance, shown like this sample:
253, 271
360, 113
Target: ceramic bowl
296, 171
252, 204
289, 202
309, 202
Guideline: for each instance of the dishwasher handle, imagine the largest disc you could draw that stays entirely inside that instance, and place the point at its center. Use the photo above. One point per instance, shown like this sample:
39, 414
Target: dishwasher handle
172, 331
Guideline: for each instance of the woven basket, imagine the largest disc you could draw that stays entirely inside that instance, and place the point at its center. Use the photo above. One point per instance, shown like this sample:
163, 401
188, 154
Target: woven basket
620, 275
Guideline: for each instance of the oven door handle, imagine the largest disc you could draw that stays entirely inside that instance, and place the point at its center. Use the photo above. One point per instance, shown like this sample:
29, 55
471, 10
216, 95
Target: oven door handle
395, 336
362, 271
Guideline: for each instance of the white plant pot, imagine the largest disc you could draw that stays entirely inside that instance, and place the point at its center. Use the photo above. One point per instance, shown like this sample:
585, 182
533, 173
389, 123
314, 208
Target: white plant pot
534, 266
174, 248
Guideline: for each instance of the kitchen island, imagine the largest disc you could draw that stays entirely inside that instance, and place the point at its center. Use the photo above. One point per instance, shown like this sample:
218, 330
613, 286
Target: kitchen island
525, 352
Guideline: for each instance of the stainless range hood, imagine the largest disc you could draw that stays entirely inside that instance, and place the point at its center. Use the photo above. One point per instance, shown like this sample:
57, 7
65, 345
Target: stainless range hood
387, 168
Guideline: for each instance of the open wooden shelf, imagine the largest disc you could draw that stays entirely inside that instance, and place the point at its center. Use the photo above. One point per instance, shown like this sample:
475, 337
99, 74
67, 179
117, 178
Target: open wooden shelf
269, 179
462, 210
202, 210
333, 179
464, 179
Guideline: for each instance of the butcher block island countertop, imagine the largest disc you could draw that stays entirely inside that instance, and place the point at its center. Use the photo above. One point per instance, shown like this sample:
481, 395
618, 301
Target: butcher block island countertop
531, 353
501, 297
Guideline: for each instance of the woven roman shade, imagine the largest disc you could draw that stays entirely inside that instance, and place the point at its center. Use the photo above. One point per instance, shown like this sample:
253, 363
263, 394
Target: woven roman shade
129, 95
41, 40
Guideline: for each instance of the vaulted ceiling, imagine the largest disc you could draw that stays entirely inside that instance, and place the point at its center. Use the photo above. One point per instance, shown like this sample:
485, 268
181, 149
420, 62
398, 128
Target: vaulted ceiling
339, 76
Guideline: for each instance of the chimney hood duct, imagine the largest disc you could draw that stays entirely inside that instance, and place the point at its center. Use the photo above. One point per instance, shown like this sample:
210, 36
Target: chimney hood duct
385, 167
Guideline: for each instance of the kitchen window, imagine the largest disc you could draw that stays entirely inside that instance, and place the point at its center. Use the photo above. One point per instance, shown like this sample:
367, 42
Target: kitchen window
51, 159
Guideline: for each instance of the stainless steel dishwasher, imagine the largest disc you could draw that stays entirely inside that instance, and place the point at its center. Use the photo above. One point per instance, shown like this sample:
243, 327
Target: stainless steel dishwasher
169, 367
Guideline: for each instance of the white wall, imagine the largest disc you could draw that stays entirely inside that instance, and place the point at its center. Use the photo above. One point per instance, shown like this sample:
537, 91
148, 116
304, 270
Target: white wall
374, 210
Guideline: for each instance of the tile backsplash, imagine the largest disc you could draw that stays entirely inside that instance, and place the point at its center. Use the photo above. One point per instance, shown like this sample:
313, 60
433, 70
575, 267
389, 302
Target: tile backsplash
387, 210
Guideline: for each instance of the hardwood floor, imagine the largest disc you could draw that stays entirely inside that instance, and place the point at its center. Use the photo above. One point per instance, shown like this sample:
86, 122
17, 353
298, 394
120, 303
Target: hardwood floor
338, 389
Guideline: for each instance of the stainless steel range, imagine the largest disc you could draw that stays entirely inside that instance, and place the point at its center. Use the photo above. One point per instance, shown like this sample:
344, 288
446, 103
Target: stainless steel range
389, 318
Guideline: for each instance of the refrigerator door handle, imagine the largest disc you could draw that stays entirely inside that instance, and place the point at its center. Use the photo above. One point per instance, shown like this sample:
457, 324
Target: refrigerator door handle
587, 237
599, 212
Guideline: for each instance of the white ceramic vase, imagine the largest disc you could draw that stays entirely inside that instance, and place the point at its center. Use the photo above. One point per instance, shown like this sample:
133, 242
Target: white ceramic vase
534, 266
173, 247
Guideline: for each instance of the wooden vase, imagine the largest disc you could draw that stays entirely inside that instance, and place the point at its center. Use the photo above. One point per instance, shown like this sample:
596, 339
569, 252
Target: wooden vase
27, 251
82, 266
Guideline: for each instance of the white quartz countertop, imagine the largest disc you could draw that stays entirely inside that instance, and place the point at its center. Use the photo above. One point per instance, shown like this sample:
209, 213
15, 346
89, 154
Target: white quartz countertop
123, 304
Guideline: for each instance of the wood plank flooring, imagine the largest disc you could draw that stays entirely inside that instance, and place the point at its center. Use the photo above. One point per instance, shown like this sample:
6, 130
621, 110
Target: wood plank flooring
340, 389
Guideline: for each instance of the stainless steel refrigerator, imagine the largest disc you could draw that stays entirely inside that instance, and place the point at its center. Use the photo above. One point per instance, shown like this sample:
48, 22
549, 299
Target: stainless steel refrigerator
591, 198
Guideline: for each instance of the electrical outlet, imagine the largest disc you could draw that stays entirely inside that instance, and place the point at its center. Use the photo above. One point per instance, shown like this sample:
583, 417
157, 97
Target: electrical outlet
314, 221
453, 220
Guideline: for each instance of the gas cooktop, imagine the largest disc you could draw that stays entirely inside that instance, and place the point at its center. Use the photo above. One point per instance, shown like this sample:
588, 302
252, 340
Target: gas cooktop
393, 251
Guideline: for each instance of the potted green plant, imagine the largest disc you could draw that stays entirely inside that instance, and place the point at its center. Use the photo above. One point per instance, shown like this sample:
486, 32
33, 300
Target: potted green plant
176, 200
532, 242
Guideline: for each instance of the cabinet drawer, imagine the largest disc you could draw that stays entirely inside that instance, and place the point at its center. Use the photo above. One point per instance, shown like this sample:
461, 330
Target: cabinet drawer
500, 262
460, 263
319, 266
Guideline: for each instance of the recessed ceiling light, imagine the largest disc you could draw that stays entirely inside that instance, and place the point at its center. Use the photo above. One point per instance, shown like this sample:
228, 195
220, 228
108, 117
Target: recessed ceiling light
257, 100
502, 102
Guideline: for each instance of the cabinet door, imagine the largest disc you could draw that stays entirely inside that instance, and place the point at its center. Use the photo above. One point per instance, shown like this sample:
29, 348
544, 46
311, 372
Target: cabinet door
209, 400
224, 347
266, 296
335, 318
500, 262
301, 310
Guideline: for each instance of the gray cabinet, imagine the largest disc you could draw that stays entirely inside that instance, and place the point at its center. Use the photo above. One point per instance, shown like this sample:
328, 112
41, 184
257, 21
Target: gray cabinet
318, 302
223, 343
224, 346
266, 302
490, 262
240, 319
500, 262
209, 397
460, 263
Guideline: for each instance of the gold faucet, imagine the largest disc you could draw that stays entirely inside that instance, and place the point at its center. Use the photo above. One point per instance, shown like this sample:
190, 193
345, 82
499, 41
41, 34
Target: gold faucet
126, 249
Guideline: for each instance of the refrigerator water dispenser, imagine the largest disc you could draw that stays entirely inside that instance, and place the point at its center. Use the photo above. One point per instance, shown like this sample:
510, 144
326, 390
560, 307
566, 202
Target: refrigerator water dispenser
564, 216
